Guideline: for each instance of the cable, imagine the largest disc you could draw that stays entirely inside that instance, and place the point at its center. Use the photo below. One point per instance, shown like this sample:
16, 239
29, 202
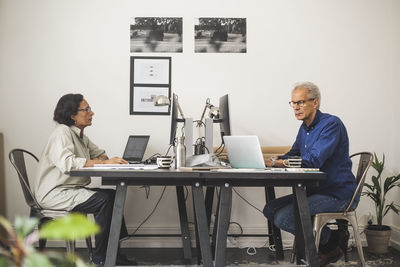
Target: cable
187, 193
151, 213
152, 156
222, 150
245, 200
199, 123
240, 227
166, 154
147, 190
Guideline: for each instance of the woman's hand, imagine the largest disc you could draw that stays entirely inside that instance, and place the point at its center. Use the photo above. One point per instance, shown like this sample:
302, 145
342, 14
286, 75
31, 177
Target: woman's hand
115, 160
99, 160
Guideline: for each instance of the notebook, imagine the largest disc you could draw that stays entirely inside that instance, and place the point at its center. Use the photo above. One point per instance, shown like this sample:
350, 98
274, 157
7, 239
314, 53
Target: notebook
244, 152
135, 148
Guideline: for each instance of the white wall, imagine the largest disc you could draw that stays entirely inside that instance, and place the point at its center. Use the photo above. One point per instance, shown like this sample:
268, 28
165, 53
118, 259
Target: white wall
348, 47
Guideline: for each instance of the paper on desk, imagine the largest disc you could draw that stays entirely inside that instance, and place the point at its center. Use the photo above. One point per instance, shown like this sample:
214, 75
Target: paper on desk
124, 167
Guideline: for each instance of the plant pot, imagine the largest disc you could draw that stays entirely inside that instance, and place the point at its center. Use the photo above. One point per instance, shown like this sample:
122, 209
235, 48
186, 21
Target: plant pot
378, 237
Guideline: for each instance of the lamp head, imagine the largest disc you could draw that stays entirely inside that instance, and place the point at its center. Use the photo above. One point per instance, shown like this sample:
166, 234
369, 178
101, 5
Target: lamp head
161, 100
214, 112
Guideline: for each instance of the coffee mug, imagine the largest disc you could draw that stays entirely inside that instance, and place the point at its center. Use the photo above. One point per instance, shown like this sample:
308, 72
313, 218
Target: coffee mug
294, 162
164, 162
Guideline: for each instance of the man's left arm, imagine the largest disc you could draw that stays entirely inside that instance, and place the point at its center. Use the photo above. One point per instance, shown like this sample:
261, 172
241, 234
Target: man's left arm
323, 147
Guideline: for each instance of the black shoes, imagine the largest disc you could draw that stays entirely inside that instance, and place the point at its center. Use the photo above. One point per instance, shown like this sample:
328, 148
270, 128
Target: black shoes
330, 257
334, 249
124, 261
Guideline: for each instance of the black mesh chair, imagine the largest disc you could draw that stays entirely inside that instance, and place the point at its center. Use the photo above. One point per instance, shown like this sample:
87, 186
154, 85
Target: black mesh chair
17, 158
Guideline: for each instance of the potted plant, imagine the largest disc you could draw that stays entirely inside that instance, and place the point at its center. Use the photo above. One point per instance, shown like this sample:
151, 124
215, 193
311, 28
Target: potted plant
16, 246
378, 235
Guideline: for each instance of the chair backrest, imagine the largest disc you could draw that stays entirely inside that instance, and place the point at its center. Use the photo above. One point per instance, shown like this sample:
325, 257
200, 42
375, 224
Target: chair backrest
17, 159
364, 163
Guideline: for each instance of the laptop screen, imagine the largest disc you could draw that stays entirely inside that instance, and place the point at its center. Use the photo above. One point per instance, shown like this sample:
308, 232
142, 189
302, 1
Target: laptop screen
244, 152
135, 147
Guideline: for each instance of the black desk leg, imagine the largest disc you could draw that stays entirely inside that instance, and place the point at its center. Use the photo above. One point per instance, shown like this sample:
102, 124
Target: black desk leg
276, 237
209, 202
187, 250
202, 227
305, 242
224, 216
116, 220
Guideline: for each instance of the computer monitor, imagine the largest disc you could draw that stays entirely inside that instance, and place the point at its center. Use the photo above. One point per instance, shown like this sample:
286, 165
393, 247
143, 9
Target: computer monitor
224, 116
174, 120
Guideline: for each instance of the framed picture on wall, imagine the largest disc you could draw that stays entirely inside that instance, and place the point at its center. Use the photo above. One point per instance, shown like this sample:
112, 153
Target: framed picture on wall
156, 34
150, 77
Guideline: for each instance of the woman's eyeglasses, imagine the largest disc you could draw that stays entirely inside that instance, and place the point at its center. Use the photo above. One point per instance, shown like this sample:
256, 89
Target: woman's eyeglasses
88, 109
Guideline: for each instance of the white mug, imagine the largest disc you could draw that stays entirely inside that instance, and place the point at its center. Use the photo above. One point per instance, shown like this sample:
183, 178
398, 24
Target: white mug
294, 162
164, 162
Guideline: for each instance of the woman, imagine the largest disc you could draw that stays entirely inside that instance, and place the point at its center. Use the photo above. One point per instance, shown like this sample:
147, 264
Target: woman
67, 149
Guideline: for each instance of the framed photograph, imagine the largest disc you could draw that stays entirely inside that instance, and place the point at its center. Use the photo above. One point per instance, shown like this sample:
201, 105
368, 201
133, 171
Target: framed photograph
150, 77
156, 34
143, 97
220, 35
151, 70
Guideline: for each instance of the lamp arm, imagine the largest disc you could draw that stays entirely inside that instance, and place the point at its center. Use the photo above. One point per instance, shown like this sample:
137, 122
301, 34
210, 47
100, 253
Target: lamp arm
179, 108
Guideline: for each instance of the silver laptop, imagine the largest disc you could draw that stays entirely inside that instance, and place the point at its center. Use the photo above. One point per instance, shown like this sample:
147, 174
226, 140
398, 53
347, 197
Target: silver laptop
244, 152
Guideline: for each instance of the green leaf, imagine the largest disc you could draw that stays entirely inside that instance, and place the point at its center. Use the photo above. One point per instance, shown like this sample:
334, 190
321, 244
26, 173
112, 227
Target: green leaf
36, 259
3, 261
71, 227
24, 226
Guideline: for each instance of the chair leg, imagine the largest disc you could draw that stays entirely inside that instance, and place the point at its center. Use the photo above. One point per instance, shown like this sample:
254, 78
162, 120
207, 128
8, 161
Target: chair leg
293, 254
42, 241
42, 244
71, 247
90, 247
354, 224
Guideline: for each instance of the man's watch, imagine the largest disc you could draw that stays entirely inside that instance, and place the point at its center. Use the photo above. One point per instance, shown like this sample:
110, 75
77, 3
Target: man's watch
273, 162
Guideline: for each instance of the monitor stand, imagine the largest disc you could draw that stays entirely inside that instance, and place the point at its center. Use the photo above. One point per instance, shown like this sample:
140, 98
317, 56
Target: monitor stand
189, 136
209, 135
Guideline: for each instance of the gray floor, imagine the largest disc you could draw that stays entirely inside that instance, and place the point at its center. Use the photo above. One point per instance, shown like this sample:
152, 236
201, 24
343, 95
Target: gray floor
239, 257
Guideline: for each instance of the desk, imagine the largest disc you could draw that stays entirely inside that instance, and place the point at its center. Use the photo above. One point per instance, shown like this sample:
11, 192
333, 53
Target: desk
122, 178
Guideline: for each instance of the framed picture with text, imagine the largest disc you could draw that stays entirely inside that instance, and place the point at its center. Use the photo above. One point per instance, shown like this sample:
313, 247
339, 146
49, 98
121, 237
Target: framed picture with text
150, 77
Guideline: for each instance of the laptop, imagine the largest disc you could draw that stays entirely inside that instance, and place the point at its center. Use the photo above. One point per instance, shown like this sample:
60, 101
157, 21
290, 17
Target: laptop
244, 152
135, 148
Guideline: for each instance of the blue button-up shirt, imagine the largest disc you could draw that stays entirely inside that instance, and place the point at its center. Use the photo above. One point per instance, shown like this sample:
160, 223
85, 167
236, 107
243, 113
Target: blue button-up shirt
324, 144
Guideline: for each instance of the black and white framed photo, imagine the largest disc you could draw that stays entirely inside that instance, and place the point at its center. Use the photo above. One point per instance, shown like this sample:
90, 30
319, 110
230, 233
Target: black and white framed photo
156, 34
220, 35
151, 70
150, 78
143, 100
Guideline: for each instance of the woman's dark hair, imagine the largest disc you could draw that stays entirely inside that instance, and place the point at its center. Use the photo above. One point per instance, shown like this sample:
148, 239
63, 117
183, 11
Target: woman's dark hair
67, 106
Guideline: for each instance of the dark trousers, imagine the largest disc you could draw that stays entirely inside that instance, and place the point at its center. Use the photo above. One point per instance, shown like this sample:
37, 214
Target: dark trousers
101, 206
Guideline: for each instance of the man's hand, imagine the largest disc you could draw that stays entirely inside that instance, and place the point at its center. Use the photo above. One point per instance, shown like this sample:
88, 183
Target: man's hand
270, 162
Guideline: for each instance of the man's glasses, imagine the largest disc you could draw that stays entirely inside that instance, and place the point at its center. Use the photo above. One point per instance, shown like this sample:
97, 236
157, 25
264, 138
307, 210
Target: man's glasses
88, 109
300, 103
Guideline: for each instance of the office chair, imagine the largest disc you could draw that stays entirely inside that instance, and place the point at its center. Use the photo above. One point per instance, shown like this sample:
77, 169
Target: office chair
349, 215
17, 158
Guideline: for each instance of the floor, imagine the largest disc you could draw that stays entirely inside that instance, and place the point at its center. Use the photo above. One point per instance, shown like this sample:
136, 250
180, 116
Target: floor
239, 257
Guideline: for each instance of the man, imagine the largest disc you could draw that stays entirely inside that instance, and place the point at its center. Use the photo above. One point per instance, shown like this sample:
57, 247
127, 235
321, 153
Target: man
321, 142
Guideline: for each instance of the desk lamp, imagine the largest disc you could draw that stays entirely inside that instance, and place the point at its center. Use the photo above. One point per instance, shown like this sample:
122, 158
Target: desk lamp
162, 100
213, 113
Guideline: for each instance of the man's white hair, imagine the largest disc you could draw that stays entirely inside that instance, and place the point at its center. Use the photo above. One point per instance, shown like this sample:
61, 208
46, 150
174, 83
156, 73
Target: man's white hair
313, 90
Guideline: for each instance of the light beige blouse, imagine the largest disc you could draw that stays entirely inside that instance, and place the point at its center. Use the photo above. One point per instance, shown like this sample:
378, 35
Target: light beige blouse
65, 150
